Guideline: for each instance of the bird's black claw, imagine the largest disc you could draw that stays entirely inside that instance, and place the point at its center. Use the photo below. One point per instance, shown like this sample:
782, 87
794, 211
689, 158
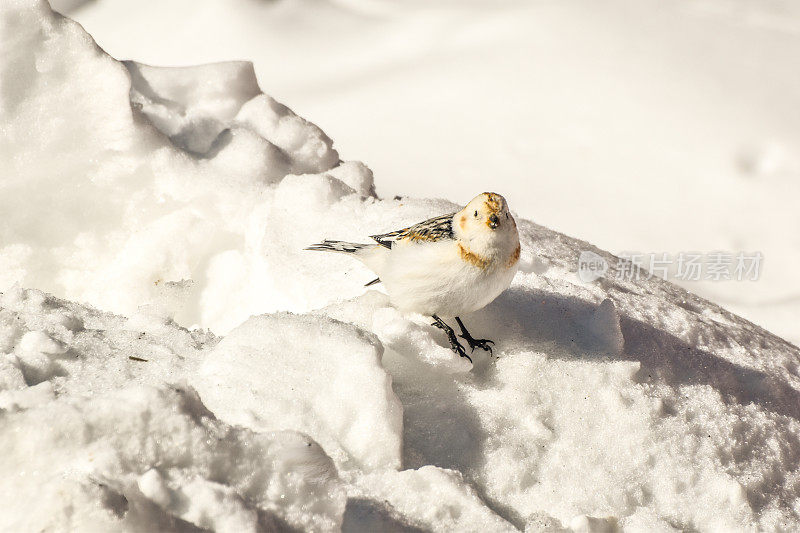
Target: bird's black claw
460, 351
458, 348
451, 336
483, 344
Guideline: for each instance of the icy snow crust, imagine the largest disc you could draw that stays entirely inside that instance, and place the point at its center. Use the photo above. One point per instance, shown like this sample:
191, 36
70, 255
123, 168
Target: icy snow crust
181, 197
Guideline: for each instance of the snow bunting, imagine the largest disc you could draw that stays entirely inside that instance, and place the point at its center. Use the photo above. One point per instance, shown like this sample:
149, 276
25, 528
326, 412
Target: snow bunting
445, 266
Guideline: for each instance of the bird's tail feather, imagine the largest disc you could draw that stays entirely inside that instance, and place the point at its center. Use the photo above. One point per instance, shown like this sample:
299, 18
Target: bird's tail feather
339, 246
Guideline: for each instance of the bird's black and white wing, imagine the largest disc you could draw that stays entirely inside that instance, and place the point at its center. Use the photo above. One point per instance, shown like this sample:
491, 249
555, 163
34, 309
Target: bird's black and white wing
433, 229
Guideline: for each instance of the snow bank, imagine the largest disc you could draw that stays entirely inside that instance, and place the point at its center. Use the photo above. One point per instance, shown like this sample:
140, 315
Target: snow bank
186, 197
603, 119
156, 175
98, 434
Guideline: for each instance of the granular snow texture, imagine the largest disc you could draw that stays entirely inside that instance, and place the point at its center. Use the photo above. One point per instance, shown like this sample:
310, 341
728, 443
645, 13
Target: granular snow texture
181, 199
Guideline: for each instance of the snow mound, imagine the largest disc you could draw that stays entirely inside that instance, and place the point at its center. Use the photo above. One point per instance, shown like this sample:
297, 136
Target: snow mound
586, 129
152, 458
315, 374
203, 109
615, 403
96, 437
157, 175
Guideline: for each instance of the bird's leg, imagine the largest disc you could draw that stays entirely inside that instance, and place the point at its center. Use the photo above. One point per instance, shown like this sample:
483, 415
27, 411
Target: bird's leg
451, 336
474, 343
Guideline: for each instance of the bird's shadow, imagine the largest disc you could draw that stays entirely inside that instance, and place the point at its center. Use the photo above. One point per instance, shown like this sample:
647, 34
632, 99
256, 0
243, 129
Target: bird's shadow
535, 318
442, 428
440, 425
365, 515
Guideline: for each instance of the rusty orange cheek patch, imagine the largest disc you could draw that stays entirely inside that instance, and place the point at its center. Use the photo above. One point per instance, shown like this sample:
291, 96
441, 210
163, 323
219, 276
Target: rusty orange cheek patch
463, 221
514, 257
472, 258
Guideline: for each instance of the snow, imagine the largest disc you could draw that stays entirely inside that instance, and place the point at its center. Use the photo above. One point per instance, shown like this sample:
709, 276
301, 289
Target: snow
171, 359
107, 443
458, 507
643, 127
318, 375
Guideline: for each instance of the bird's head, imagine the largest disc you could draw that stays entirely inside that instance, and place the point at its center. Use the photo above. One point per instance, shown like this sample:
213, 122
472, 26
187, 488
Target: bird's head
486, 224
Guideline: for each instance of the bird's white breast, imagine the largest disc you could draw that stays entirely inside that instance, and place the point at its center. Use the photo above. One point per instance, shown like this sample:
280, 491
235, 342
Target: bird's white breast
438, 278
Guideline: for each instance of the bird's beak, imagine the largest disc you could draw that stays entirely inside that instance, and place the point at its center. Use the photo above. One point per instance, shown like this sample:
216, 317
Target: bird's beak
493, 221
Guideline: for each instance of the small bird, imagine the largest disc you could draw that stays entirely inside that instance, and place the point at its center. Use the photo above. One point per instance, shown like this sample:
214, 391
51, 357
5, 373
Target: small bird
445, 266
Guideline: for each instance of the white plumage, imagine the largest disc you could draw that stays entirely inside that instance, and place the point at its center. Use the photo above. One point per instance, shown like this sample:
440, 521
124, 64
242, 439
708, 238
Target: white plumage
449, 265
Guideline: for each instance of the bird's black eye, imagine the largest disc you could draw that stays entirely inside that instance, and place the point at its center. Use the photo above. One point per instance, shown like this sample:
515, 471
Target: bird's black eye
476, 214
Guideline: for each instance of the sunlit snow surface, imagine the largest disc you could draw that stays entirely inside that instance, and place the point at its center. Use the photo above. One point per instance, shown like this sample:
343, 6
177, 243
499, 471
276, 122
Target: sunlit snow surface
185, 196
642, 126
